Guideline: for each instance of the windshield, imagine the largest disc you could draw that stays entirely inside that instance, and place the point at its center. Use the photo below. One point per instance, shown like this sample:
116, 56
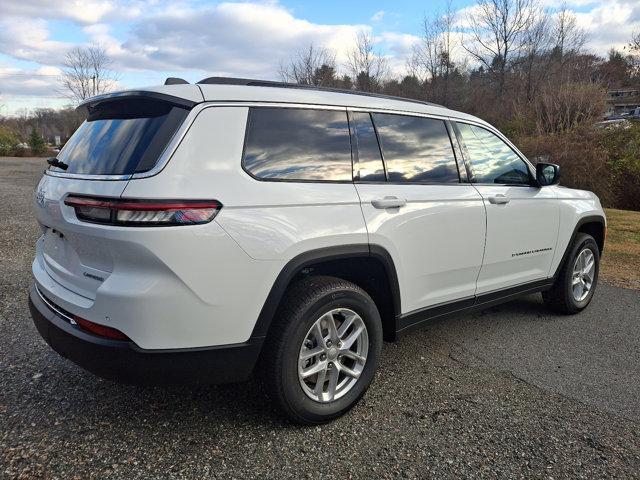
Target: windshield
121, 137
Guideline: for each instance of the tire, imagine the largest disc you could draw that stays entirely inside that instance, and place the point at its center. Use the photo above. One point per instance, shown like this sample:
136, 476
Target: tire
321, 299
561, 297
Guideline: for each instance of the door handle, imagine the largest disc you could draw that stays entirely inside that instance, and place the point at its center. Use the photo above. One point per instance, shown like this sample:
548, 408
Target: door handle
499, 199
388, 202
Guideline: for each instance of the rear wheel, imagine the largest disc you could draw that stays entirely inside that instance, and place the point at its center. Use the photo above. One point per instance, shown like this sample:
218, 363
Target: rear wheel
578, 277
322, 350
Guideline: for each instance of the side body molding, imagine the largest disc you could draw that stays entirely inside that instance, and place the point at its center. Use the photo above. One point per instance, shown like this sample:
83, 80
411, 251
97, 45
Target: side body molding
409, 319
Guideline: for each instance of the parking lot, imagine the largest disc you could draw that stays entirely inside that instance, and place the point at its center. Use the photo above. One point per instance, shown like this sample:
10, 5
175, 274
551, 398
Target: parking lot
510, 392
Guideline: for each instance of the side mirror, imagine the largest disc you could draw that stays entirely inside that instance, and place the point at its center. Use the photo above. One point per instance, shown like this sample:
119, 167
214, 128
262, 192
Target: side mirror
547, 174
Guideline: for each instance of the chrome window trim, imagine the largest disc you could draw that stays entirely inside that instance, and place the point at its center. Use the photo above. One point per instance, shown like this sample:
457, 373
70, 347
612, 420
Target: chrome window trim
179, 135
407, 113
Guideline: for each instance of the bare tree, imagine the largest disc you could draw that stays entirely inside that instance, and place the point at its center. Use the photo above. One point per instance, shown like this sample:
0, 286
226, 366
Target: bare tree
635, 43
431, 60
312, 66
569, 37
367, 67
536, 42
87, 73
497, 29
634, 47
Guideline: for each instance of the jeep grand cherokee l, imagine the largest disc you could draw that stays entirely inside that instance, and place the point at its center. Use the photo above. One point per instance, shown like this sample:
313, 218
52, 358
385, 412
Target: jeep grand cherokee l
196, 233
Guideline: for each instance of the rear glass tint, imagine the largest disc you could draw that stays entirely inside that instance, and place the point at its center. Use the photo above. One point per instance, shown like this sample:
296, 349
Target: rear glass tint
298, 144
121, 137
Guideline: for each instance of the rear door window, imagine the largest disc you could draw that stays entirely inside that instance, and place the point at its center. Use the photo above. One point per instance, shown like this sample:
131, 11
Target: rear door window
298, 144
416, 149
121, 137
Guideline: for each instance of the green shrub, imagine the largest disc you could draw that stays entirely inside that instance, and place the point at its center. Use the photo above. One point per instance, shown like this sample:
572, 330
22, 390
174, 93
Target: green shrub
583, 162
8, 141
623, 147
604, 161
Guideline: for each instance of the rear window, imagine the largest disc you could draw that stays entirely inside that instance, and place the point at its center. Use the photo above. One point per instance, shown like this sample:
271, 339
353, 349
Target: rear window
121, 137
298, 144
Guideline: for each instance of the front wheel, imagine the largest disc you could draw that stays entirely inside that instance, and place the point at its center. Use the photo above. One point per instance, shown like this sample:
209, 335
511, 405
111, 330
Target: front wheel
578, 277
323, 349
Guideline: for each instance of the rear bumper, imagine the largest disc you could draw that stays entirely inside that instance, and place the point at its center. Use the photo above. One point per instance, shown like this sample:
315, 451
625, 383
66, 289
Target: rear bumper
125, 362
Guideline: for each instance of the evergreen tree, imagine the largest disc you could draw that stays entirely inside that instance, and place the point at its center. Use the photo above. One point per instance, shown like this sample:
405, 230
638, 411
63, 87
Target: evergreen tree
36, 142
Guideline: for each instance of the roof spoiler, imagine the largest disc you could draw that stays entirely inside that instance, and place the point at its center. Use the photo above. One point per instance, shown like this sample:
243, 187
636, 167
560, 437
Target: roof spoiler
175, 81
91, 103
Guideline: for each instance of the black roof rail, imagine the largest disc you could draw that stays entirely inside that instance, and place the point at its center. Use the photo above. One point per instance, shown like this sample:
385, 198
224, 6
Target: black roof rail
175, 81
271, 83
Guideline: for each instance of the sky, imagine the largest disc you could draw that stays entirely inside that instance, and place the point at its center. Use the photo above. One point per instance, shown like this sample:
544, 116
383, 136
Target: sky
150, 40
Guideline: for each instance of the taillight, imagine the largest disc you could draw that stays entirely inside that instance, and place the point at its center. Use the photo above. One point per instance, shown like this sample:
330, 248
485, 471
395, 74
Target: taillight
130, 212
100, 330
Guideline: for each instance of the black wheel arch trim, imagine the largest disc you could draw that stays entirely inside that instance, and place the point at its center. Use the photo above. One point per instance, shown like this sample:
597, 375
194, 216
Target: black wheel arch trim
582, 221
298, 263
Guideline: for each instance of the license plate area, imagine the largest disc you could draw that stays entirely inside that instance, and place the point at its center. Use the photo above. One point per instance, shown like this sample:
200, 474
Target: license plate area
63, 264
58, 250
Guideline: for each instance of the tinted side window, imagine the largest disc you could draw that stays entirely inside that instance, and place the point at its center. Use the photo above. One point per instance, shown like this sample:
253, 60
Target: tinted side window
416, 149
492, 160
369, 167
298, 144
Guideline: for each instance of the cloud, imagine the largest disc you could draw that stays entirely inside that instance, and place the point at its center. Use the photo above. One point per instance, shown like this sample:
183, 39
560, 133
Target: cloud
230, 38
610, 24
41, 82
82, 11
27, 39
400, 48
226, 39
378, 16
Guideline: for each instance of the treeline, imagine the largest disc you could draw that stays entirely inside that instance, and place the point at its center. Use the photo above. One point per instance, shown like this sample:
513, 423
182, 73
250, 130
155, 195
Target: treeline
520, 66
523, 67
35, 132
86, 72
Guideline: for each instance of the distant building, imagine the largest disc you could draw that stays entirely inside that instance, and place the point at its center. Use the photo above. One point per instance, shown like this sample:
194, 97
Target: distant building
622, 100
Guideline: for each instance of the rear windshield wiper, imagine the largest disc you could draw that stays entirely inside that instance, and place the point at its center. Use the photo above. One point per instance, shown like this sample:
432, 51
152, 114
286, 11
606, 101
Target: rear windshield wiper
54, 162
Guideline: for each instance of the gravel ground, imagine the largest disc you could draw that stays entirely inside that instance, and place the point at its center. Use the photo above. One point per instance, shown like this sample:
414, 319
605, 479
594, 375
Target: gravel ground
507, 393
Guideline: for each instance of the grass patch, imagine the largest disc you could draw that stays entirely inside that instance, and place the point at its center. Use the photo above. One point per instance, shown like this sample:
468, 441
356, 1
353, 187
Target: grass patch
621, 260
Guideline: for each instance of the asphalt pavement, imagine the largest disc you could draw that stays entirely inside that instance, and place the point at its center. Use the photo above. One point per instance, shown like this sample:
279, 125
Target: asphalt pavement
510, 392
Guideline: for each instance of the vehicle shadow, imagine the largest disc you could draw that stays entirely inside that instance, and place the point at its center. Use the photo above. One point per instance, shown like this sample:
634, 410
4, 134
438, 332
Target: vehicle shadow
90, 399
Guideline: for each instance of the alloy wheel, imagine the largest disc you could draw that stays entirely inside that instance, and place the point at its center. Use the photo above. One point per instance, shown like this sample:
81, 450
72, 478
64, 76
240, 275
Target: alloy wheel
333, 355
583, 274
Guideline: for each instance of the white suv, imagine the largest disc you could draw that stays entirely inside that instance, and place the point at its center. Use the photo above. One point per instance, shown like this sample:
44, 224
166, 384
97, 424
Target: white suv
196, 233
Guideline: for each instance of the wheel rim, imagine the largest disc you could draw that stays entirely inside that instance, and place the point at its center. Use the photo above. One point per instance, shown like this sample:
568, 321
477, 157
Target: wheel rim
333, 355
584, 270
